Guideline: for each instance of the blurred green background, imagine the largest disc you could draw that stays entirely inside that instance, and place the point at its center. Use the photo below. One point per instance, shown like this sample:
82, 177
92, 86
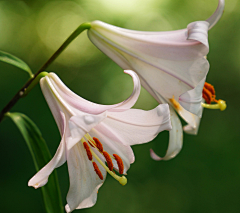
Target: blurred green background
204, 177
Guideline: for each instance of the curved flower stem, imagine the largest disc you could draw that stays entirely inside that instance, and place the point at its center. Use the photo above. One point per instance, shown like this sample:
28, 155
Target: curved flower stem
24, 90
34, 83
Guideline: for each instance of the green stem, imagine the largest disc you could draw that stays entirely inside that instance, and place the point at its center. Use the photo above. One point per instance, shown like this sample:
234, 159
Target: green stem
34, 83
80, 29
24, 90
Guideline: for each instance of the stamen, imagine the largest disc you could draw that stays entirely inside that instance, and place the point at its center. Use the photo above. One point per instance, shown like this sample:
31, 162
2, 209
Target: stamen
97, 170
109, 160
209, 87
175, 103
98, 144
93, 144
222, 104
89, 154
208, 94
120, 163
122, 180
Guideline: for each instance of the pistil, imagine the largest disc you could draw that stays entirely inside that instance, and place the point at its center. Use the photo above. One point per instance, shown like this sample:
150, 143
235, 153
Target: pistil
220, 105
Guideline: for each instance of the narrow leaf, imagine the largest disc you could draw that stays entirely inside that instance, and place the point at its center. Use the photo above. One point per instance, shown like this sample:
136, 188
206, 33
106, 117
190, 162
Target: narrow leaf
41, 156
13, 60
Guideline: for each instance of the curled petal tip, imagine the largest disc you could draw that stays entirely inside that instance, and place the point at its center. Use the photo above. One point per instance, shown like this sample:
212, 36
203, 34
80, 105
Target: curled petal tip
154, 156
67, 208
128, 103
214, 18
37, 182
35, 186
128, 71
132, 73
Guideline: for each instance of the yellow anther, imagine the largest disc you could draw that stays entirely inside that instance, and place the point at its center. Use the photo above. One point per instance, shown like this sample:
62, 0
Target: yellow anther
220, 105
123, 180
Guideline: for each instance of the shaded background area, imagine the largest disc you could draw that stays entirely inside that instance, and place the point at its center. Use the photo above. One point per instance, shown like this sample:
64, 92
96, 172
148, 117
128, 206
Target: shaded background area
204, 177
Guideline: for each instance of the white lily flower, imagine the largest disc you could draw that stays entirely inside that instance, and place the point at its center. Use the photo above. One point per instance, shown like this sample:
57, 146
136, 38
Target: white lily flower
172, 66
82, 125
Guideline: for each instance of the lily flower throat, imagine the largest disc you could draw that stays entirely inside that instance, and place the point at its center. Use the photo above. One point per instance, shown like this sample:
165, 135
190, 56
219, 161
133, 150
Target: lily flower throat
97, 145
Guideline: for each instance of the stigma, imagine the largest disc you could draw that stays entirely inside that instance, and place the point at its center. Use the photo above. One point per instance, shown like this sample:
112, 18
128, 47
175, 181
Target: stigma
209, 95
96, 145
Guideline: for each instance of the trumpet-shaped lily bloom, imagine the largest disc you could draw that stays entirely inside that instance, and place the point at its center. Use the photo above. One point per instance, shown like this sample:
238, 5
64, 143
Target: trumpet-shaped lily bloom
94, 134
172, 65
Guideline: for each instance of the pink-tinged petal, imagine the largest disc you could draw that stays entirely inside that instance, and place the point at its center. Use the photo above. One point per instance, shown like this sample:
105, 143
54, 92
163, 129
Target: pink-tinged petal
84, 182
165, 40
73, 99
192, 99
175, 139
80, 125
109, 50
135, 126
116, 126
169, 62
217, 14
41, 178
198, 31
149, 47
53, 103
169, 86
114, 147
76, 102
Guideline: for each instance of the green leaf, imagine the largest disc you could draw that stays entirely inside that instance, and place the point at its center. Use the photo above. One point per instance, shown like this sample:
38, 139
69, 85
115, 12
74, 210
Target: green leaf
13, 60
41, 156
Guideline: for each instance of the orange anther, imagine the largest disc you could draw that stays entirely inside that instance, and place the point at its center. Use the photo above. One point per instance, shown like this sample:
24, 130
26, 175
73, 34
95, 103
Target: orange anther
207, 95
89, 154
98, 144
210, 88
175, 103
119, 162
97, 170
109, 160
